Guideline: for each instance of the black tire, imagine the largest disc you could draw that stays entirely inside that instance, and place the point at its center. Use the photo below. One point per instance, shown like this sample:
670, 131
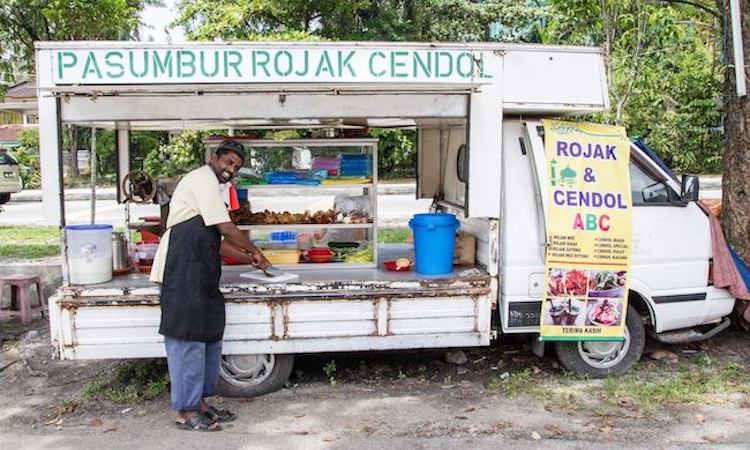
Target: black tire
4, 198
253, 375
571, 354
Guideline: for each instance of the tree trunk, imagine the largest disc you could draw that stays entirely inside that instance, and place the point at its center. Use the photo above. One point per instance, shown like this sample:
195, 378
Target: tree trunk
73, 154
736, 162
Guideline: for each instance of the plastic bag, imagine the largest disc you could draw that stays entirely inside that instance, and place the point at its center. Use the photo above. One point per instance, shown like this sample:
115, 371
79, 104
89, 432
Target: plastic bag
348, 204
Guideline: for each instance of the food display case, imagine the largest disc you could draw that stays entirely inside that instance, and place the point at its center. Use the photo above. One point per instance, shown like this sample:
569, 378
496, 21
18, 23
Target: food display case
337, 227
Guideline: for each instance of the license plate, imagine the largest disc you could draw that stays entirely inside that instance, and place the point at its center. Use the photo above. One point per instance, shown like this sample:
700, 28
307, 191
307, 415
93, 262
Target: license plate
8, 174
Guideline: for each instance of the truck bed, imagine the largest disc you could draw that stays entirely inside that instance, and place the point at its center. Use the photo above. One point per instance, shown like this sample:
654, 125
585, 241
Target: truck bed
323, 310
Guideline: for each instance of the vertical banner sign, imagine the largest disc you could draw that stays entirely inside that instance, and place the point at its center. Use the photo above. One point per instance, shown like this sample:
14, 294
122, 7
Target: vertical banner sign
589, 231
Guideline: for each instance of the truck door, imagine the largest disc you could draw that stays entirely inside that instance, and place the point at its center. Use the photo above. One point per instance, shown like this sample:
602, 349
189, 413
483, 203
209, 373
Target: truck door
671, 246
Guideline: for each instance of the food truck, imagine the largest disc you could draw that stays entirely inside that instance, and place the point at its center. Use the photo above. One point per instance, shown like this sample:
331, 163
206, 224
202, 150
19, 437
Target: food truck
477, 110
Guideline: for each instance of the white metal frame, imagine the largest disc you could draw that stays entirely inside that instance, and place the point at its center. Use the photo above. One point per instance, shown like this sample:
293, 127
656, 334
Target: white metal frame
370, 145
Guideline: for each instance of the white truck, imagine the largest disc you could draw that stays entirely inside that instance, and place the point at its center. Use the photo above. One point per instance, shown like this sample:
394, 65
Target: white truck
477, 111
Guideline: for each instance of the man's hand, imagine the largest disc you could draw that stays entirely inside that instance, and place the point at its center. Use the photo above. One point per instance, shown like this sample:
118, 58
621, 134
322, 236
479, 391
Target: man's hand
259, 260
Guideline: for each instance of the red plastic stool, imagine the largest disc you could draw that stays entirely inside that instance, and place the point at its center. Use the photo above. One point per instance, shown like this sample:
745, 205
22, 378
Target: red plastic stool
20, 296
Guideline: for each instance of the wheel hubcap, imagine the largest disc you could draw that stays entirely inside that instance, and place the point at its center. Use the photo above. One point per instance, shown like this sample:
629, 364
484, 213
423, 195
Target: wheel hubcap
246, 370
603, 354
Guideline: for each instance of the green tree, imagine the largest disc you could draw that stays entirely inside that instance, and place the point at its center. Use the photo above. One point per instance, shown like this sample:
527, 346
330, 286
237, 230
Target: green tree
359, 20
735, 214
24, 21
183, 153
664, 80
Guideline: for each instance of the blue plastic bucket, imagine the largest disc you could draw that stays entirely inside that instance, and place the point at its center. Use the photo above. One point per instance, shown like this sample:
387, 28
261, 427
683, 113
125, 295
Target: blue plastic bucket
434, 239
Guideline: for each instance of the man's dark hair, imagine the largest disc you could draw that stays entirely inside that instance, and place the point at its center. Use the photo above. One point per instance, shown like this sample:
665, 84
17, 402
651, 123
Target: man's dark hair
230, 145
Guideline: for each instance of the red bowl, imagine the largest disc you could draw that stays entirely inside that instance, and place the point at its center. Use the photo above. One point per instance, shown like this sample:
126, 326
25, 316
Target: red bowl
392, 267
320, 258
319, 252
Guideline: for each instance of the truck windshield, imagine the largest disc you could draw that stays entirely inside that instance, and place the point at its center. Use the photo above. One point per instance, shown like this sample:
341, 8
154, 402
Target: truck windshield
6, 159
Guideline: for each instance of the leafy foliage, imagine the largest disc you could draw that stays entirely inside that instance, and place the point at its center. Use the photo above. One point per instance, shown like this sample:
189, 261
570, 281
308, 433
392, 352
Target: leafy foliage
382, 20
397, 153
28, 157
24, 21
184, 153
664, 79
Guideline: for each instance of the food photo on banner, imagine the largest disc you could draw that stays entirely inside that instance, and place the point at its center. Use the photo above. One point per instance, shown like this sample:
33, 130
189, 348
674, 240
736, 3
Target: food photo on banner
589, 231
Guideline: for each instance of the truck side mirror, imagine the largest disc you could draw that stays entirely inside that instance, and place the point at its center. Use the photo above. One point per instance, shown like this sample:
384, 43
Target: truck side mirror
690, 187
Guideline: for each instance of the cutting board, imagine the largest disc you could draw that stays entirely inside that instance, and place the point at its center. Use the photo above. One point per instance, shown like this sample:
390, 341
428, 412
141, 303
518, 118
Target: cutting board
279, 277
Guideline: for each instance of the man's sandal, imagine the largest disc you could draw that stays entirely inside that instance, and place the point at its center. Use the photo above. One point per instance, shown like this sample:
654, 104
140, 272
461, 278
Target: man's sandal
219, 415
198, 422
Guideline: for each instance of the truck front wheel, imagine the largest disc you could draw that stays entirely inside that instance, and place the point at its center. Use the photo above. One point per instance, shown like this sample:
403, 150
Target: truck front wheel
4, 198
602, 358
253, 375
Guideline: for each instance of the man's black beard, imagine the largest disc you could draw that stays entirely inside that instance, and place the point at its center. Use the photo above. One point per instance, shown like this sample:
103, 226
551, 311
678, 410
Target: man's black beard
218, 174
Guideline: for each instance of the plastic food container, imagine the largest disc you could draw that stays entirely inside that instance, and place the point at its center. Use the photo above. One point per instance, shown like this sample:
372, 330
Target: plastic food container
145, 253
89, 253
281, 256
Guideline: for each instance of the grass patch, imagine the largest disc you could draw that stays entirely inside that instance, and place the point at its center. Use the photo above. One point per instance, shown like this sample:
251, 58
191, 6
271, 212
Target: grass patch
690, 385
28, 235
131, 382
394, 235
26, 242
521, 384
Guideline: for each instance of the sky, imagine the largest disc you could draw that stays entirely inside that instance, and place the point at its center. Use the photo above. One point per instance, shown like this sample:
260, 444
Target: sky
156, 20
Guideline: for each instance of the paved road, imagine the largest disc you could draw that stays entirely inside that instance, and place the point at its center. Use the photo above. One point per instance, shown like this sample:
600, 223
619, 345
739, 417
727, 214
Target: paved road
393, 210
395, 206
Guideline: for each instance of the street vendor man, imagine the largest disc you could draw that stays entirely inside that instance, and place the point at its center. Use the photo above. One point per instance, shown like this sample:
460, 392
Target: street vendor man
188, 267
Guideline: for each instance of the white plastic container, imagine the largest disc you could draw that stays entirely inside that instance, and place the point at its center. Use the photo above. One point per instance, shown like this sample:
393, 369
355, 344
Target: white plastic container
89, 253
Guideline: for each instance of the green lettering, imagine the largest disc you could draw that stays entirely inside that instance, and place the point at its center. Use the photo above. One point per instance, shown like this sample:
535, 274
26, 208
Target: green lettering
346, 62
163, 65
372, 67
449, 65
234, 64
395, 64
262, 64
482, 74
205, 72
185, 60
307, 65
114, 64
468, 58
419, 63
132, 64
277, 64
91, 66
61, 64
324, 64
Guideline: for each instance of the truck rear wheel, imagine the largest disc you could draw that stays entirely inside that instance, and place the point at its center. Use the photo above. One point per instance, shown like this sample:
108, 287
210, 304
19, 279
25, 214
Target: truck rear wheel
253, 375
600, 358
4, 198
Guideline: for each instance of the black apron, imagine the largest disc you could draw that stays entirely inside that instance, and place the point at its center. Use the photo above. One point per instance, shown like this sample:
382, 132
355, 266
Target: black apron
192, 307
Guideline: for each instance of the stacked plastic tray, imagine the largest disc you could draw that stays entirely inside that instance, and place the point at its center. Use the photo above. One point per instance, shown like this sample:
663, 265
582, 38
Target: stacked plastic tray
355, 166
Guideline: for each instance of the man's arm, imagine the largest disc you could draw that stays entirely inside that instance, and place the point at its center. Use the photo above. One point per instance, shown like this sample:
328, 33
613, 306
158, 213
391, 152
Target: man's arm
240, 240
231, 250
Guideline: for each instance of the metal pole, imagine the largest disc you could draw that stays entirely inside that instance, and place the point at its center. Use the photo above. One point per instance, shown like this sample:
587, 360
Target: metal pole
93, 174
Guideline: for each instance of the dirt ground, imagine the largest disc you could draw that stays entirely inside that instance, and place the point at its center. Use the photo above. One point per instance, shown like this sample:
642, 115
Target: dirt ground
686, 396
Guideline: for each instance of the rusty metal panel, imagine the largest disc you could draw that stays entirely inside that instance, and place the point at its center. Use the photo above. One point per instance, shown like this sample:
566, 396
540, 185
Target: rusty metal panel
345, 317
333, 319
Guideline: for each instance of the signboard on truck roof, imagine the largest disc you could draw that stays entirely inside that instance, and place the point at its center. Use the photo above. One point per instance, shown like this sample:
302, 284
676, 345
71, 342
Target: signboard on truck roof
247, 64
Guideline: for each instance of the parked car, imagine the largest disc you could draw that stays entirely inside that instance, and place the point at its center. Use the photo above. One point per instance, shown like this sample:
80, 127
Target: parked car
10, 177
